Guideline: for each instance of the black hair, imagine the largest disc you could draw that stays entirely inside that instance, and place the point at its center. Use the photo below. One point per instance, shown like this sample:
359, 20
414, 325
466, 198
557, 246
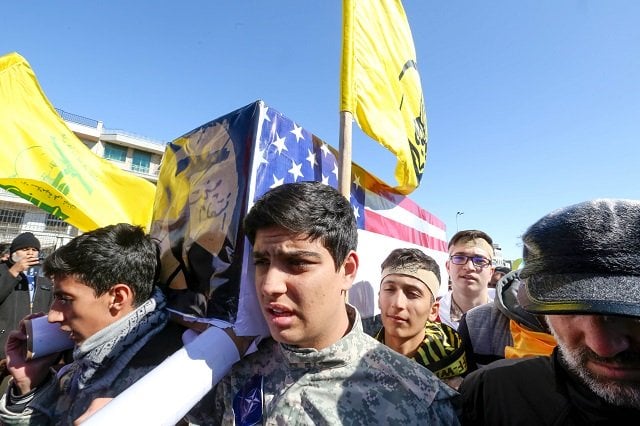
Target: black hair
411, 258
312, 209
106, 256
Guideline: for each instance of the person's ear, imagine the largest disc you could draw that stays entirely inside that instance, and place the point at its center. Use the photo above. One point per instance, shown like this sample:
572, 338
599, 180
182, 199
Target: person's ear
434, 312
121, 298
350, 269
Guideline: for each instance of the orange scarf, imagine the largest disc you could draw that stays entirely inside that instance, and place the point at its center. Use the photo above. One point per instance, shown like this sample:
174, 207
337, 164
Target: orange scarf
528, 343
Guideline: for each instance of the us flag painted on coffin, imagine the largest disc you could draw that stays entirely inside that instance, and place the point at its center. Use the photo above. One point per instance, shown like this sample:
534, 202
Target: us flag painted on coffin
210, 178
285, 152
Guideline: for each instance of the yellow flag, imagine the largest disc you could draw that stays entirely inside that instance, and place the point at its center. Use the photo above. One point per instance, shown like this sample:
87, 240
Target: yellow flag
380, 84
42, 161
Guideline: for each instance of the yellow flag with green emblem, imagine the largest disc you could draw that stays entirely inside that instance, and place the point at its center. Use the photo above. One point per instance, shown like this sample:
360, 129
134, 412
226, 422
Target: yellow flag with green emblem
380, 84
42, 160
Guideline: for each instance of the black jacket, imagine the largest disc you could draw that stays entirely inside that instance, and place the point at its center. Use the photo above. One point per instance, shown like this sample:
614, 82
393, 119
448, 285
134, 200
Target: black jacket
535, 391
15, 301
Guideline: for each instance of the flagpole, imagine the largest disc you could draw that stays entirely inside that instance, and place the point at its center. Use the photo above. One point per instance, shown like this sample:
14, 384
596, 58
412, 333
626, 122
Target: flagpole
347, 100
344, 154
344, 158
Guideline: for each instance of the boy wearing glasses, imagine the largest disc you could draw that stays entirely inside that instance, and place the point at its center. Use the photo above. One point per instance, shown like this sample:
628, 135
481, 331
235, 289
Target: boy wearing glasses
470, 270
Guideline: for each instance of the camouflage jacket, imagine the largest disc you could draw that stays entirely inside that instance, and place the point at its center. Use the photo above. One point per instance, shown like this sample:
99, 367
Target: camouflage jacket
357, 380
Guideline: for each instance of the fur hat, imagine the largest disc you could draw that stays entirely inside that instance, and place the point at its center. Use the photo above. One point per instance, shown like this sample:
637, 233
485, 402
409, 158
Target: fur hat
584, 259
24, 240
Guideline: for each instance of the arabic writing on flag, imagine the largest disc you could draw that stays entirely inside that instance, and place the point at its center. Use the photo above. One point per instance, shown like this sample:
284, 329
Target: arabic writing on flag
42, 161
380, 84
199, 205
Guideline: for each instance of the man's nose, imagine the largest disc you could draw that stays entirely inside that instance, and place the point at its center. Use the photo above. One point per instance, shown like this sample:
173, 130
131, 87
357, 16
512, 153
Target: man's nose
399, 300
273, 281
469, 264
54, 314
606, 336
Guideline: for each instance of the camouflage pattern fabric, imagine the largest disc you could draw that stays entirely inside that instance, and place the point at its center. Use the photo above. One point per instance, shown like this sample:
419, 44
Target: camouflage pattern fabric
355, 381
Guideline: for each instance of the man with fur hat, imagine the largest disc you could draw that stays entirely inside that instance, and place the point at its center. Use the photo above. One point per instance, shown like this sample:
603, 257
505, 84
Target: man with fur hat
22, 290
582, 272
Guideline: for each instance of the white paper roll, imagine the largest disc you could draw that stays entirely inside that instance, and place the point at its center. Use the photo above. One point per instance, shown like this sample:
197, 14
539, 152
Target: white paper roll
168, 392
44, 337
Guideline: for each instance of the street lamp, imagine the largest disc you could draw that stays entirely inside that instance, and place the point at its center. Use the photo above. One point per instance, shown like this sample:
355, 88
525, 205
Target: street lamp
458, 214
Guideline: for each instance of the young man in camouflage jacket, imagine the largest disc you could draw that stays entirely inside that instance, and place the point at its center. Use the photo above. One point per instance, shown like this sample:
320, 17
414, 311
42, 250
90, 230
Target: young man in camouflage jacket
320, 367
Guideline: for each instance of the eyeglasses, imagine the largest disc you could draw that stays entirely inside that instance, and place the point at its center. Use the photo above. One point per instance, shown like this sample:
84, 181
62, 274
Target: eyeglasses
478, 261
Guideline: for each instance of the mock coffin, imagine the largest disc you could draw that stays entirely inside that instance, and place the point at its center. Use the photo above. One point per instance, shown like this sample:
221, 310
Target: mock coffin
212, 175
209, 179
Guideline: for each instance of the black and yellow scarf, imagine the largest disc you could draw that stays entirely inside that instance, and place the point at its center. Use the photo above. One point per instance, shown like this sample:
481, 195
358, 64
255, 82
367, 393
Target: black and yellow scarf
441, 351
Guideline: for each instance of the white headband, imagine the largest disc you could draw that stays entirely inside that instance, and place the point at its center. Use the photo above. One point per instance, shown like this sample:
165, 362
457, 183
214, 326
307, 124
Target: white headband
428, 278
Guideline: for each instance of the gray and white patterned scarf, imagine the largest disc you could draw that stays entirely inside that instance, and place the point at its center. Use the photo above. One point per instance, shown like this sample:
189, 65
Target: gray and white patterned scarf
103, 356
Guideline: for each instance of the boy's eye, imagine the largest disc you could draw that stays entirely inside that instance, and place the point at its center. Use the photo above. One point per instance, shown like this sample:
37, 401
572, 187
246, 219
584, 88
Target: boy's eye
299, 262
63, 299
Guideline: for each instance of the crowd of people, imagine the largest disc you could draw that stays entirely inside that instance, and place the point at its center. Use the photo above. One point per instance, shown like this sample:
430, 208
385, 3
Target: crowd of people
554, 343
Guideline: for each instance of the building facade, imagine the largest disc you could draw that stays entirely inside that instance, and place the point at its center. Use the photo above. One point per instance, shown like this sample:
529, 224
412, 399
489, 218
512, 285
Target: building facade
498, 259
135, 154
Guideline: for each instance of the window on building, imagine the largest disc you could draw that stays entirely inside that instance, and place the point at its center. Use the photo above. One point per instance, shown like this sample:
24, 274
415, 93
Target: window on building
115, 152
140, 161
11, 219
52, 223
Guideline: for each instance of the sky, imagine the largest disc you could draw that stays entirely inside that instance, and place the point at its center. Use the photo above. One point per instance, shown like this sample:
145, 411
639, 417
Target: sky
531, 105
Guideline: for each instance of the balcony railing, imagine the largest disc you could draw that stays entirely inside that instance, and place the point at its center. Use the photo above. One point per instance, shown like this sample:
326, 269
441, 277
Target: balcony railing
89, 122
78, 119
132, 135
140, 168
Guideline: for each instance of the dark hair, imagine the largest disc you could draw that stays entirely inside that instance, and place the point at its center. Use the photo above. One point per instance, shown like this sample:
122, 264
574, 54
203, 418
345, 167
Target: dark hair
312, 209
4, 248
469, 235
106, 256
503, 269
411, 258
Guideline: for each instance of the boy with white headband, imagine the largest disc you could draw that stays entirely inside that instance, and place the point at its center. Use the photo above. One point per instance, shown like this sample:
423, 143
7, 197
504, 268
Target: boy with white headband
407, 301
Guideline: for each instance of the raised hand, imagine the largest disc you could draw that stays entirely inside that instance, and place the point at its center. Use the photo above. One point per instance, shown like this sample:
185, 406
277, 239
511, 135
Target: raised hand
27, 374
23, 263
